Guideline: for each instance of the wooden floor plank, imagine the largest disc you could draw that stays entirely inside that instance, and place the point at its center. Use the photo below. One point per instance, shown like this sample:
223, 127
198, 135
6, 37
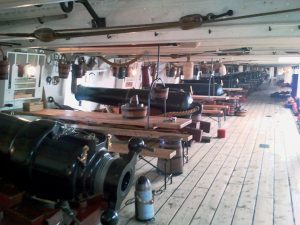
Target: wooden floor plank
210, 205
184, 188
291, 146
264, 203
283, 211
252, 177
215, 146
231, 195
247, 199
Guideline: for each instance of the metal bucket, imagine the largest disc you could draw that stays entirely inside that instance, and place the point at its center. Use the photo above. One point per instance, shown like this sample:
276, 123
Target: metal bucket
63, 68
160, 92
3, 67
175, 165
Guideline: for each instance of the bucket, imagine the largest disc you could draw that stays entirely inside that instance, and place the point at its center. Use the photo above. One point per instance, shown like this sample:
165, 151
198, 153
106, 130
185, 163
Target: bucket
175, 165
221, 133
160, 93
78, 70
63, 67
3, 67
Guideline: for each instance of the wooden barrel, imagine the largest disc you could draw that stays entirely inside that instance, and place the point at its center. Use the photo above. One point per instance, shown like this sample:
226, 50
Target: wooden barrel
3, 67
175, 165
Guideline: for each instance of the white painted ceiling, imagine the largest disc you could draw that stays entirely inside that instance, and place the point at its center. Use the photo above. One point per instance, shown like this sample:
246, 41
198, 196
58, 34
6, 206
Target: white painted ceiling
267, 37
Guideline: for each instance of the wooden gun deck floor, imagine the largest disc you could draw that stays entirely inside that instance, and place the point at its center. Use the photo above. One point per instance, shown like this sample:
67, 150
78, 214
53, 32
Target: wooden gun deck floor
250, 177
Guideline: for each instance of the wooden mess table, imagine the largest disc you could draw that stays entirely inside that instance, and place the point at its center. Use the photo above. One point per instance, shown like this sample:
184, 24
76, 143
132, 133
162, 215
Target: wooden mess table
211, 110
210, 98
98, 118
109, 123
115, 124
235, 91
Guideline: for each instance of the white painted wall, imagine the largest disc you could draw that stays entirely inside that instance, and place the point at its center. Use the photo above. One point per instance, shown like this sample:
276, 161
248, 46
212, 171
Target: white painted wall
55, 91
62, 92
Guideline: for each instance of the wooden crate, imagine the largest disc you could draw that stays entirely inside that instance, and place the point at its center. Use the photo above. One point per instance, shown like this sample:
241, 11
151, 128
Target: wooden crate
32, 106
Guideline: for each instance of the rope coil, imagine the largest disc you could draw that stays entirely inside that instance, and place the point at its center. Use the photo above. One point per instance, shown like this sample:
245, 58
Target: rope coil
182, 113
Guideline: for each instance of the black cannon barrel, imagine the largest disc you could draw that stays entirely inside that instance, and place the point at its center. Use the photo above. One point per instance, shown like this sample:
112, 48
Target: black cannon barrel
176, 101
201, 81
47, 160
226, 81
255, 78
199, 88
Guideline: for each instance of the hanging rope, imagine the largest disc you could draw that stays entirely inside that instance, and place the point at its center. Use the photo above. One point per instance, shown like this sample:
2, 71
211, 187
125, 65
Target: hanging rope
125, 64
